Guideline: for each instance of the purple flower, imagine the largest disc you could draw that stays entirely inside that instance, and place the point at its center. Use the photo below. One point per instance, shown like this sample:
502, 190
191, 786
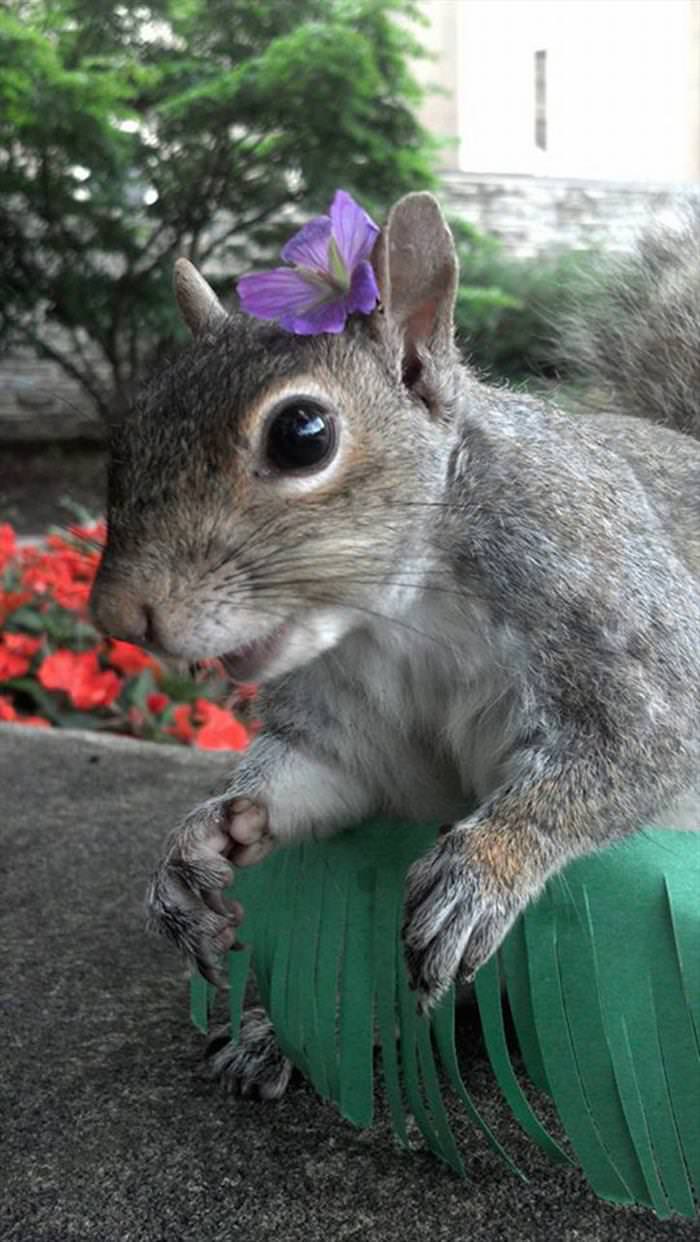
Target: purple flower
330, 278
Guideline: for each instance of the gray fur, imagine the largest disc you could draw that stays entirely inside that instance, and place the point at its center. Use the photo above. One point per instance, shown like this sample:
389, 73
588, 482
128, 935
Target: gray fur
636, 333
492, 603
253, 1064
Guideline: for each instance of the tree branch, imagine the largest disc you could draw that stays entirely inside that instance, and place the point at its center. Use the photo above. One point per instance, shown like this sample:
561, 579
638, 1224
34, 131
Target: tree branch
241, 226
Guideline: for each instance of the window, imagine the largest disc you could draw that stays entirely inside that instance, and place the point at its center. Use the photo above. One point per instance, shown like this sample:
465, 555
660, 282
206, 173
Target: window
541, 100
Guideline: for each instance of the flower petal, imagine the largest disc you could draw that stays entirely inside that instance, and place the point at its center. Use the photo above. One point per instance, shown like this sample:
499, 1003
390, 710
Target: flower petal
355, 233
128, 659
272, 295
325, 317
309, 247
364, 294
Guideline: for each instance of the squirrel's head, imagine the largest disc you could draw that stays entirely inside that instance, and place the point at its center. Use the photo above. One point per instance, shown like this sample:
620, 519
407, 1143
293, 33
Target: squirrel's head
270, 492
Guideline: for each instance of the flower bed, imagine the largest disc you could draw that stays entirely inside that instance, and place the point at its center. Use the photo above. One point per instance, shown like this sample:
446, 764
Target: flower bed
56, 670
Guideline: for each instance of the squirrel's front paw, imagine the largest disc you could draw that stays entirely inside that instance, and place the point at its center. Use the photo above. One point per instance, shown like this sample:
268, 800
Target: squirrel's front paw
186, 899
254, 1064
456, 915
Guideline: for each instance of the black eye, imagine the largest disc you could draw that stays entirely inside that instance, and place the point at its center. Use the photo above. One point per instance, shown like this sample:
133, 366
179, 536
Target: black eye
301, 436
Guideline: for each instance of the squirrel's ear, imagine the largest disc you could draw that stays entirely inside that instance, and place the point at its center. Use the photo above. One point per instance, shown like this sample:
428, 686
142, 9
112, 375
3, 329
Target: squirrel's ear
199, 306
415, 263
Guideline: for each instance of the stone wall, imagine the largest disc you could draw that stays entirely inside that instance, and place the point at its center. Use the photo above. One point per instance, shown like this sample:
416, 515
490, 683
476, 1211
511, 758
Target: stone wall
39, 402
530, 214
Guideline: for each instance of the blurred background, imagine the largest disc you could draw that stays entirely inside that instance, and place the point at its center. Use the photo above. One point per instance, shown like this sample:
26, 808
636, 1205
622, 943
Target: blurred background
131, 133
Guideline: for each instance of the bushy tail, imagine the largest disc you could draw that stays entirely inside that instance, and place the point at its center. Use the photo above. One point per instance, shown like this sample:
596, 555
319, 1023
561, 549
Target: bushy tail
636, 336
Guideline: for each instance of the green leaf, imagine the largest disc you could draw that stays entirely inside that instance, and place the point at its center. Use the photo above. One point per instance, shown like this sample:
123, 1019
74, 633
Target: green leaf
27, 618
182, 689
136, 691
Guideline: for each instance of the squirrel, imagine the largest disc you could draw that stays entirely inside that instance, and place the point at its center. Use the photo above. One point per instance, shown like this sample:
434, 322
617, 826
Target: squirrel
450, 594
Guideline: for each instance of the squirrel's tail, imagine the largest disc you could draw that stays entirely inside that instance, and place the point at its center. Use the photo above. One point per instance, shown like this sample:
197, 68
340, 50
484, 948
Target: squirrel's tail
636, 336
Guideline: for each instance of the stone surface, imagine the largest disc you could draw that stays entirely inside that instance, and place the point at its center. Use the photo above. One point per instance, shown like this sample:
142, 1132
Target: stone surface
109, 1133
40, 403
534, 215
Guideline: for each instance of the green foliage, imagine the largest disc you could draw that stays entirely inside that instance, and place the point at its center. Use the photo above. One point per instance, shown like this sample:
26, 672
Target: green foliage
129, 135
509, 310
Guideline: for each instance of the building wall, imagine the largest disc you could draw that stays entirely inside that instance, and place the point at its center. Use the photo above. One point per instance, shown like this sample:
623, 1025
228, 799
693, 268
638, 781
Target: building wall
440, 70
38, 402
536, 215
623, 86
694, 89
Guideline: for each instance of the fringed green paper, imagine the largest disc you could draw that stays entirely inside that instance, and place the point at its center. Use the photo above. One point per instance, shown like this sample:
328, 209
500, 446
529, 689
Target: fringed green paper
601, 975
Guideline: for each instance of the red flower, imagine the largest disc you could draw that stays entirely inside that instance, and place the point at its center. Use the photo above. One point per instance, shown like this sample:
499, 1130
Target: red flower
16, 651
58, 670
10, 601
208, 727
12, 665
60, 571
128, 659
219, 730
79, 674
157, 702
7, 711
183, 727
66, 579
64, 573
8, 545
22, 644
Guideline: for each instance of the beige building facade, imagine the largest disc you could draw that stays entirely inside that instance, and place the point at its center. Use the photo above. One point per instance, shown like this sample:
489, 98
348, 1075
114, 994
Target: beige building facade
592, 89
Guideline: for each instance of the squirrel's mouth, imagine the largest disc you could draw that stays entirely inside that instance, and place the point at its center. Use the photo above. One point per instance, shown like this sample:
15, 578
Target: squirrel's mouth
248, 662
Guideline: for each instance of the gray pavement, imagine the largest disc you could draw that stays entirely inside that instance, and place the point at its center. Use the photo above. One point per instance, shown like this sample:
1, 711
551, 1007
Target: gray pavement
109, 1132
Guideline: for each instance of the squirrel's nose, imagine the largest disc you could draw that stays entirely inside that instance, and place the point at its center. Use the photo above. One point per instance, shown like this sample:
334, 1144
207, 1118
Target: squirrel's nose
120, 613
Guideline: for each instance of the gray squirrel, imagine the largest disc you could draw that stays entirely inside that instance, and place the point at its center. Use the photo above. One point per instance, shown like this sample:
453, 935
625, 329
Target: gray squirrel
449, 594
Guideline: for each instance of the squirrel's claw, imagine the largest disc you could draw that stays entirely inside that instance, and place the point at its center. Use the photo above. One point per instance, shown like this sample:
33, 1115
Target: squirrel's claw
455, 917
203, 934
186, 901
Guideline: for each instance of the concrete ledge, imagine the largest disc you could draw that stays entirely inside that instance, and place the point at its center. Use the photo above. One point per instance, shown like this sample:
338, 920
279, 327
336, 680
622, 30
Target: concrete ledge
74, 741
108, 1132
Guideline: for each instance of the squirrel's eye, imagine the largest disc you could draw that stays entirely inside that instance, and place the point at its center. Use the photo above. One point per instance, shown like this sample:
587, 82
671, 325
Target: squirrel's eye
301, 436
